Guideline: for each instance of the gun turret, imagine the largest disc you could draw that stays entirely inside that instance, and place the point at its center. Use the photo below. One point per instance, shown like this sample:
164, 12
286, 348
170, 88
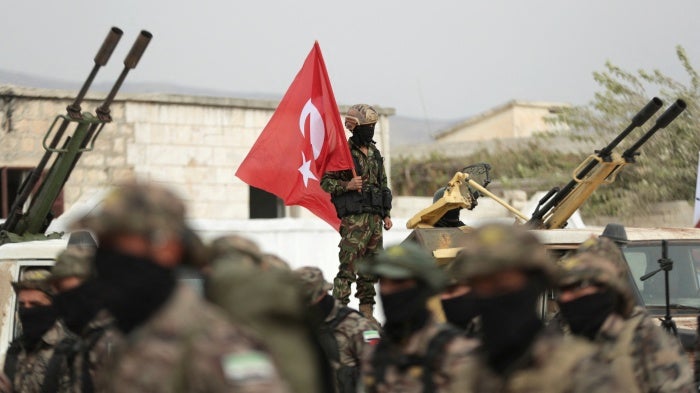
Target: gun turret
557, 206
33, 222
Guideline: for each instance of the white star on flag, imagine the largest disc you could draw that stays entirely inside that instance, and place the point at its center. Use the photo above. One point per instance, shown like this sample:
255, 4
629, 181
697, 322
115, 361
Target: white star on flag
305, 170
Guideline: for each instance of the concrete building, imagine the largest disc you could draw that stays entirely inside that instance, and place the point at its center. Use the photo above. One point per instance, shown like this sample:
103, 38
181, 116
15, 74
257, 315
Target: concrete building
192, 143
514, 119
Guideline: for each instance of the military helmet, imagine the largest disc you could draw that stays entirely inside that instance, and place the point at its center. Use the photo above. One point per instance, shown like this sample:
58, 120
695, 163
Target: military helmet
273, 261
604, 247
35, 279
135, 207
616, 233
597, 269
313, 282
492, 248
235, 249
74, 261
362, 114
439, 194
406, 261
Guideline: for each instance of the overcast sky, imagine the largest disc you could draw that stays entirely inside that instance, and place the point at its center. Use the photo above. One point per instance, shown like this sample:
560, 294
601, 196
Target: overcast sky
437, 59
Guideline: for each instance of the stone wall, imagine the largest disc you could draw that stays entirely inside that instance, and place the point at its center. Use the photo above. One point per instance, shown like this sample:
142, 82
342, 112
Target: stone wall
191, 143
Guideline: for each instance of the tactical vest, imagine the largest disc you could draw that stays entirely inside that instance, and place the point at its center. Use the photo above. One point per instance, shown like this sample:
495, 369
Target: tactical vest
345, 377
428, 364
67, 350
372, 198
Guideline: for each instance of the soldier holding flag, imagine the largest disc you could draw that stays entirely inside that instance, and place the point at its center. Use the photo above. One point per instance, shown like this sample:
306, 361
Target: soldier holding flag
362, 200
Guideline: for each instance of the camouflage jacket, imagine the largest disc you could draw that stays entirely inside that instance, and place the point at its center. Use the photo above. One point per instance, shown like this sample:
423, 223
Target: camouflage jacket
98, 343
188, 346
451, 363
371, 168
32, 366
640, 348
352, 334
554, 363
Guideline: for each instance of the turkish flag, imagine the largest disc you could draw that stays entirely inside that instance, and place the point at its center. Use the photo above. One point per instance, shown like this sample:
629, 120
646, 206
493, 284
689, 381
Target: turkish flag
303, 139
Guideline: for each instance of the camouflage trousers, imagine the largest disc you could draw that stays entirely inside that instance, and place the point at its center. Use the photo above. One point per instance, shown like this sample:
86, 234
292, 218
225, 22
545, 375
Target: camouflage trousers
361, 236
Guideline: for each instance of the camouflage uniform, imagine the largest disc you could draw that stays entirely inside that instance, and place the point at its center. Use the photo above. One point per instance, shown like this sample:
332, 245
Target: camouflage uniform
361, 233
435, 356
32, 366
350, 331
554, 363
185, 344
189, 347
257, 291
549, 361
98, 343
99, 337
403, 376
628, 339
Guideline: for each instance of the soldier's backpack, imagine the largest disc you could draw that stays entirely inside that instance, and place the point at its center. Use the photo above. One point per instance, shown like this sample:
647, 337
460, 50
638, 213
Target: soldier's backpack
346, 377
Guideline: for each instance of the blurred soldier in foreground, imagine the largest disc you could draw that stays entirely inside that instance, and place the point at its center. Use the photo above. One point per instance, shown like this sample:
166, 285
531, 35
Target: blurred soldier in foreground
175, 341
344, 333
508, 269
259, 292
416, 353
596, 303
29, 355
78, 304
449, 219
363, 204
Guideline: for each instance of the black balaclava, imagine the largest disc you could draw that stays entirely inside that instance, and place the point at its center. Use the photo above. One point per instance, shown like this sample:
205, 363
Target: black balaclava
586, 314
405, 312
133, 288
510, 324
323, 308
36, 321
78, 306
461, 310
362, 135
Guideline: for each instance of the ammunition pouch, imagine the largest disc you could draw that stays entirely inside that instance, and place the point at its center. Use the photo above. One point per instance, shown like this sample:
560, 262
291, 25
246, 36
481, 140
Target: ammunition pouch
372, 199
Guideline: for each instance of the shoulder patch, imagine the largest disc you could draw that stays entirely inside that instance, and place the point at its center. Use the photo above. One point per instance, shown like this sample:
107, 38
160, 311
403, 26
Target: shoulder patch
371, 336
250, 365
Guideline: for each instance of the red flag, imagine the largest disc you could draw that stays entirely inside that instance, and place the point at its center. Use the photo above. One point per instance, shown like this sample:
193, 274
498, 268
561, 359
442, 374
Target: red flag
303, 139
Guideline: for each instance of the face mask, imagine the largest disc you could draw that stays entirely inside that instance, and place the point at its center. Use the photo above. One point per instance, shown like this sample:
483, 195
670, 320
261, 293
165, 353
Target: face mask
78, 306
35, 322
509, 324
132, 287
363, 134
586, 314
460, 310
322, 309
405, 312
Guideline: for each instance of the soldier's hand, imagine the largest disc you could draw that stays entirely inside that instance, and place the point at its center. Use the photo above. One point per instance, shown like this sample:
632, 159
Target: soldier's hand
387, 223
5, 384
355, 183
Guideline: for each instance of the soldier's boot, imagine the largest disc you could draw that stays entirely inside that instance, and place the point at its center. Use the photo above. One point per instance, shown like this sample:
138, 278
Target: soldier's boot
368, 311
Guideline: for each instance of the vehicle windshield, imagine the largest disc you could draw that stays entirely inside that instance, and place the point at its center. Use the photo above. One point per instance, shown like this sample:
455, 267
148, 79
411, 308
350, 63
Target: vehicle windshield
683, 279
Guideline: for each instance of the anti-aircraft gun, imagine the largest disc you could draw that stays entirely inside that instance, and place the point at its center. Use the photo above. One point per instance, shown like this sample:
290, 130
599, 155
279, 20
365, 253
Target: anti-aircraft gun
555, 208
66, 148
23, 243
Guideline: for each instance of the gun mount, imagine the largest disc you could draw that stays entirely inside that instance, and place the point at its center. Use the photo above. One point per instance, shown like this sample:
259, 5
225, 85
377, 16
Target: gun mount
66, 149
557, 206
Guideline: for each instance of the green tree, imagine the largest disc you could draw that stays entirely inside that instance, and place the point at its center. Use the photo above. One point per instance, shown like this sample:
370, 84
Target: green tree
667, 167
